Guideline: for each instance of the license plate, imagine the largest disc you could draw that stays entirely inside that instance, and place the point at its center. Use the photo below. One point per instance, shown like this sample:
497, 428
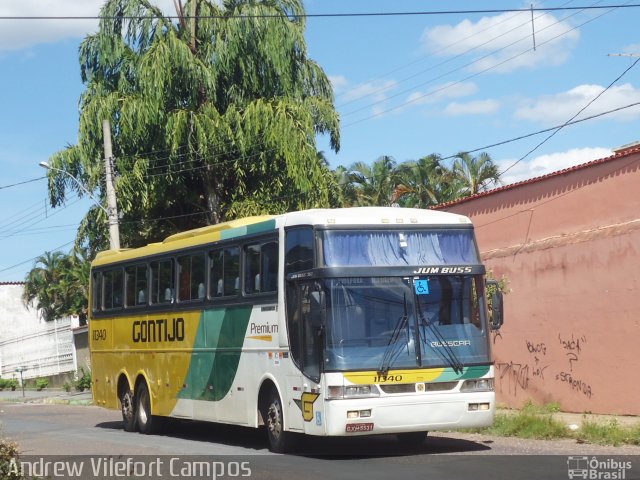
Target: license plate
359, 427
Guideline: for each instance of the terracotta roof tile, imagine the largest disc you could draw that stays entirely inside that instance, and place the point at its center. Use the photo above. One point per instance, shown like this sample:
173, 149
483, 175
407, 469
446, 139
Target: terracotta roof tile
618, 154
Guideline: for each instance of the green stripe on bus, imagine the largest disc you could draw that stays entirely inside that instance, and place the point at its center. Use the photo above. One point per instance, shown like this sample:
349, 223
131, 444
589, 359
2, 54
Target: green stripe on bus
248, 229
467, 372
211, 373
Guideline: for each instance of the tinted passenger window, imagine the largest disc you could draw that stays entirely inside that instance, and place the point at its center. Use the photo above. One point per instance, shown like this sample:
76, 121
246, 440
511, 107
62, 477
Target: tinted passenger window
136, 285
299, 250
113, 289
191, 277
162, 278
261, 268
96, 292
224, 275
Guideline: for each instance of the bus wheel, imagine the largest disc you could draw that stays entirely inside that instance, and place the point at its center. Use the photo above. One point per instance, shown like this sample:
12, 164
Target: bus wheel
127, 406
411, 438
147, 423
274, 421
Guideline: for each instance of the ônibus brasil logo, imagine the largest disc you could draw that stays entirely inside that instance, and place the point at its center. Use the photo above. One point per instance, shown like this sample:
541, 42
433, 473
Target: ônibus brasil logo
597, 468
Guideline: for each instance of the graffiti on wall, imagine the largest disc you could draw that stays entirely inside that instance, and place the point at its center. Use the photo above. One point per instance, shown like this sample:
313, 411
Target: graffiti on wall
572, 347
542, 362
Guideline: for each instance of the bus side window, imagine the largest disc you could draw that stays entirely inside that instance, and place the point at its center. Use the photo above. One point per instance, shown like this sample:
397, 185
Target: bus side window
224, 272
298, 250
191, 277
269, 267
113, 289
298, 257
252, 269
135, 285
96, 292
231, 271
261, 268
162, 282
215, 273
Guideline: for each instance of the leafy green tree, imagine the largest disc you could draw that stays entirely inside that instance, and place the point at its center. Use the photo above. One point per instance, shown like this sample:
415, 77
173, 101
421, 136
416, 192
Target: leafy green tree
375, 184
214, 116
57, 285
474, 174
424, 183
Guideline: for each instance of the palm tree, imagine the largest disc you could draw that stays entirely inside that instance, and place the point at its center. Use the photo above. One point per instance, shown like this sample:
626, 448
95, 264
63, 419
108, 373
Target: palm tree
474, 174
42, 285
344, 180
375, 184
424, 183
57, 285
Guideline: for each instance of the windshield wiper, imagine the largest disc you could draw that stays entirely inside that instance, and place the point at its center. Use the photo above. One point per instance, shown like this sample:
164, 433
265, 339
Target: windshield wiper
446, 353
393, 347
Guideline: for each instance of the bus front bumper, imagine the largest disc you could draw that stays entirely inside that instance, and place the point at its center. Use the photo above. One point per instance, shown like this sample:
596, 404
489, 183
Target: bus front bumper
411, 413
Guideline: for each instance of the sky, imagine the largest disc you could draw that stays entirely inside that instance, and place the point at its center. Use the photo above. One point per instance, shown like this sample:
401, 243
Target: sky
405, 86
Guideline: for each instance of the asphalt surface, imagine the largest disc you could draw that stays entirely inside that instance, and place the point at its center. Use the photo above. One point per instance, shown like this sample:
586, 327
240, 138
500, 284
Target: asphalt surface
44, 426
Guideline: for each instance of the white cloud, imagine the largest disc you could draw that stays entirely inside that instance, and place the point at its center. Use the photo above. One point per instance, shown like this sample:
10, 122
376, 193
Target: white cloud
560, 107
376, 90
508, 35
20, 34
442, 92
339, 83
478, 107
545, 164
632, 49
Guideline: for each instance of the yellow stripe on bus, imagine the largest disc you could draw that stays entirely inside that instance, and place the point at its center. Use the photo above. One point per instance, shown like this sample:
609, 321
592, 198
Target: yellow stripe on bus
394, 376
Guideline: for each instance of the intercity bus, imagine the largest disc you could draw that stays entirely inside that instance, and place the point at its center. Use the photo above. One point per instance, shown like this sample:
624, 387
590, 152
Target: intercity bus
336, 322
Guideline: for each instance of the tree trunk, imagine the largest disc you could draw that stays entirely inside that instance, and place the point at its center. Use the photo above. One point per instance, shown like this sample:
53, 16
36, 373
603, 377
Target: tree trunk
212, 199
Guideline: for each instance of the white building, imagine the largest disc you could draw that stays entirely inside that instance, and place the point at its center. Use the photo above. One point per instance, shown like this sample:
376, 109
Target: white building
28, 343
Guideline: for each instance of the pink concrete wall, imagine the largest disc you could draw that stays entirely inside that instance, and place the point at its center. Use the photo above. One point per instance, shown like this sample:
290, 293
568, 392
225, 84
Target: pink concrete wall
569, 246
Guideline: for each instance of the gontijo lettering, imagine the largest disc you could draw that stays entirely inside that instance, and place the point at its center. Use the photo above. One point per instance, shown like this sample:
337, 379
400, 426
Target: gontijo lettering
161, 330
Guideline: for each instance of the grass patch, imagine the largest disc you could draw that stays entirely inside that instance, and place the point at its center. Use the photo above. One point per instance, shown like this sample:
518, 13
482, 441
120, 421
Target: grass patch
532, 421
610, 433
528, 425
537, 422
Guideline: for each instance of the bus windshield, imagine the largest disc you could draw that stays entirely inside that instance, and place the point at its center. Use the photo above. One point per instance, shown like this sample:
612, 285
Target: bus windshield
452, 246
391, 322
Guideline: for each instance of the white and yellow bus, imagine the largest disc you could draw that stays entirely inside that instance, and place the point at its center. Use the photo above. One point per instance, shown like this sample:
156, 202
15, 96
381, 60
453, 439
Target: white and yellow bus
337, 322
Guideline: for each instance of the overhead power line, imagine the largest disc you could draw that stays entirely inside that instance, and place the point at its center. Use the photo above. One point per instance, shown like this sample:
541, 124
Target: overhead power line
423, 96
571, 119
321, 15
21, 183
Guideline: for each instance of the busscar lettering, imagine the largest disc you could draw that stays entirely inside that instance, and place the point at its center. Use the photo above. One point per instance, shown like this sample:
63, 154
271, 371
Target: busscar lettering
161, 330
451, 343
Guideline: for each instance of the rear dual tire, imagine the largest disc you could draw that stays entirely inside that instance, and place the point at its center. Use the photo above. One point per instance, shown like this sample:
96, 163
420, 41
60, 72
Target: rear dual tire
136, 411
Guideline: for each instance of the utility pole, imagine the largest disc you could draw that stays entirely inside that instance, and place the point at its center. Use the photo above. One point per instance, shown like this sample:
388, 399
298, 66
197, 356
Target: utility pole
194, 42
112, 208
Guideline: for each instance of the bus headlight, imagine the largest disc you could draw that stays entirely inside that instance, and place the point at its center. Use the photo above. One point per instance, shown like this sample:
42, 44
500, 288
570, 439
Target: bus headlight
351, 391
477, 385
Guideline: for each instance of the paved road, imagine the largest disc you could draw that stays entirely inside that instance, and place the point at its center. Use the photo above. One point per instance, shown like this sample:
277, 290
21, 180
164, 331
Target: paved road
86, 430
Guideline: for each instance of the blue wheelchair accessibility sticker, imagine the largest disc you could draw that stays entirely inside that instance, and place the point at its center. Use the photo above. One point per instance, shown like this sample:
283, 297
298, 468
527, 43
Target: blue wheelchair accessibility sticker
421, 287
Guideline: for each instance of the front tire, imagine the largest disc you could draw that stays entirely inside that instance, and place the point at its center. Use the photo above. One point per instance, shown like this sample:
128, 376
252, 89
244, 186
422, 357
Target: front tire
128, 409
279, 440
146, 422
